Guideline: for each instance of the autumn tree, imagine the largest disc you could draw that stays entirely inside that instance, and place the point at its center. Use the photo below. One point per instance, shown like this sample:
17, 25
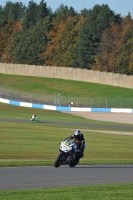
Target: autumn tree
27, 46
5, 42
98, 19
107, 51
69, 39
59, 36
124, 60
110, 45
92, 39
66, 41
10, 16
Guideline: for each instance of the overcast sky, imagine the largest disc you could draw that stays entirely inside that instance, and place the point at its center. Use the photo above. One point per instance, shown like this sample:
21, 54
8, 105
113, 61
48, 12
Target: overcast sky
118, 6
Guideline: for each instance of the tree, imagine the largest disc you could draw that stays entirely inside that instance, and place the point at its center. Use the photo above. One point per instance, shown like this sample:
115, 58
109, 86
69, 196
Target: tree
50, 55
42, 10
62, 13
98, 19
69, 39
1, 17
131, 64
124, 60
5, 42
30, 17
30, 44
108, 49
11, 12
61, 39
111, 41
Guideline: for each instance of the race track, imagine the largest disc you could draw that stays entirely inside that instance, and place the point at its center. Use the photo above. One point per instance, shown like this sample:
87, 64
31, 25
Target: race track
44, 177
14, 178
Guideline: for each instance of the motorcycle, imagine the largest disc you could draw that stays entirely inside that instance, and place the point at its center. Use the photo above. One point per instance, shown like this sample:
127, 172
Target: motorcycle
68, 154
35, 120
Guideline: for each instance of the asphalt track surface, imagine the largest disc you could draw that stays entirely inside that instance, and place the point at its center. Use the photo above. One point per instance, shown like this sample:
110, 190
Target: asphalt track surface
14, 178
46, 177
79, 125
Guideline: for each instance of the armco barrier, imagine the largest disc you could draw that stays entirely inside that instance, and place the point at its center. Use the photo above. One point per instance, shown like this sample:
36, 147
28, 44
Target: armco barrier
66, 109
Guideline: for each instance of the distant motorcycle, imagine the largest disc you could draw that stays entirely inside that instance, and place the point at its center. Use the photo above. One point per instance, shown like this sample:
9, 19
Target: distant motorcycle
35, 120
68, 154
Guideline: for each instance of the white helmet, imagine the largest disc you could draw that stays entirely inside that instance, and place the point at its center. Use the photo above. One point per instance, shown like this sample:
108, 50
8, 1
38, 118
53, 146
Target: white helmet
77, 134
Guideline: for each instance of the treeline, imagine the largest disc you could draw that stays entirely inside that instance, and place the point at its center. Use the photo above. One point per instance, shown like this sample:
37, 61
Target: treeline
92, 39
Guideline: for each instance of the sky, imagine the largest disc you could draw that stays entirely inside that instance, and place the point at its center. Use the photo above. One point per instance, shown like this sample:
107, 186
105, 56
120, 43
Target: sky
121, 7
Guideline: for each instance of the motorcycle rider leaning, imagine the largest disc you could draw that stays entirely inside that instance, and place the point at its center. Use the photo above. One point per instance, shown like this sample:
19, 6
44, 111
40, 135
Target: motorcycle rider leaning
33, 117
80, 141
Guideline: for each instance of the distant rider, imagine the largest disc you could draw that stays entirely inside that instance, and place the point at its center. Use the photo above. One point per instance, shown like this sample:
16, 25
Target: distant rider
80, 141
33, 117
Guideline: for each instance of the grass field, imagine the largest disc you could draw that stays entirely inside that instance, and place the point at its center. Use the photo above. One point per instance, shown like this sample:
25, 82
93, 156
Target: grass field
37, 144
101, 148
101, 192
64, 87
24, 144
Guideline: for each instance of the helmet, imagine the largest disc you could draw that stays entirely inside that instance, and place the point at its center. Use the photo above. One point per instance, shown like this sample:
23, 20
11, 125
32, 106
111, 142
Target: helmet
77, 134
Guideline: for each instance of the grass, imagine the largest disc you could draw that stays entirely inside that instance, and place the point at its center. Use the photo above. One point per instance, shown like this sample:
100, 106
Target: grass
64, 87
25, 144
38, 143
99, 192
16, 112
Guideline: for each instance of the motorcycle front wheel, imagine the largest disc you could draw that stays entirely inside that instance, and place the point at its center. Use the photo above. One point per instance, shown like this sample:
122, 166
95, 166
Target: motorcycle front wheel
58, 160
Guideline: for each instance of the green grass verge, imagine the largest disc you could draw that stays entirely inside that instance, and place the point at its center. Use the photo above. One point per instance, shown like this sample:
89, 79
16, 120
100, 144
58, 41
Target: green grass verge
99, 192
24, 144
53, 86
16, 112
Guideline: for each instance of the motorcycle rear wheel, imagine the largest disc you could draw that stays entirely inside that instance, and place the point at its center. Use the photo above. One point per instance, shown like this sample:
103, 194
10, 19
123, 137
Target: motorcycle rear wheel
74, 162
58, 160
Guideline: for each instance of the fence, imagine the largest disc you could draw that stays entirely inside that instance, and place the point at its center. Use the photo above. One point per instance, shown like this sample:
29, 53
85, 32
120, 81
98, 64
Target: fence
84, 75
64, 100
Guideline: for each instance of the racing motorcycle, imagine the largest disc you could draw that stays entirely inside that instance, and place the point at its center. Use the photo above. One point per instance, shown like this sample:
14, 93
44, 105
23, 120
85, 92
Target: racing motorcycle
68, 154
35, 120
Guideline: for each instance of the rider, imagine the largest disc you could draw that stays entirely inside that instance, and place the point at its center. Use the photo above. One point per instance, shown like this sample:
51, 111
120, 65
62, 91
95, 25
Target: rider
80, 141
33, 117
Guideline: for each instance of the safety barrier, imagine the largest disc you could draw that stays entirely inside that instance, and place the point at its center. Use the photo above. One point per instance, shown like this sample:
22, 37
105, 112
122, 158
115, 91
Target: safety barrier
64, 108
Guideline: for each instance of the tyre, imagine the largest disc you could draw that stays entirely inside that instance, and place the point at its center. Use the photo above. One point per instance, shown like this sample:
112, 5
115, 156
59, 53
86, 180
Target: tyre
58, 160
74, 162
